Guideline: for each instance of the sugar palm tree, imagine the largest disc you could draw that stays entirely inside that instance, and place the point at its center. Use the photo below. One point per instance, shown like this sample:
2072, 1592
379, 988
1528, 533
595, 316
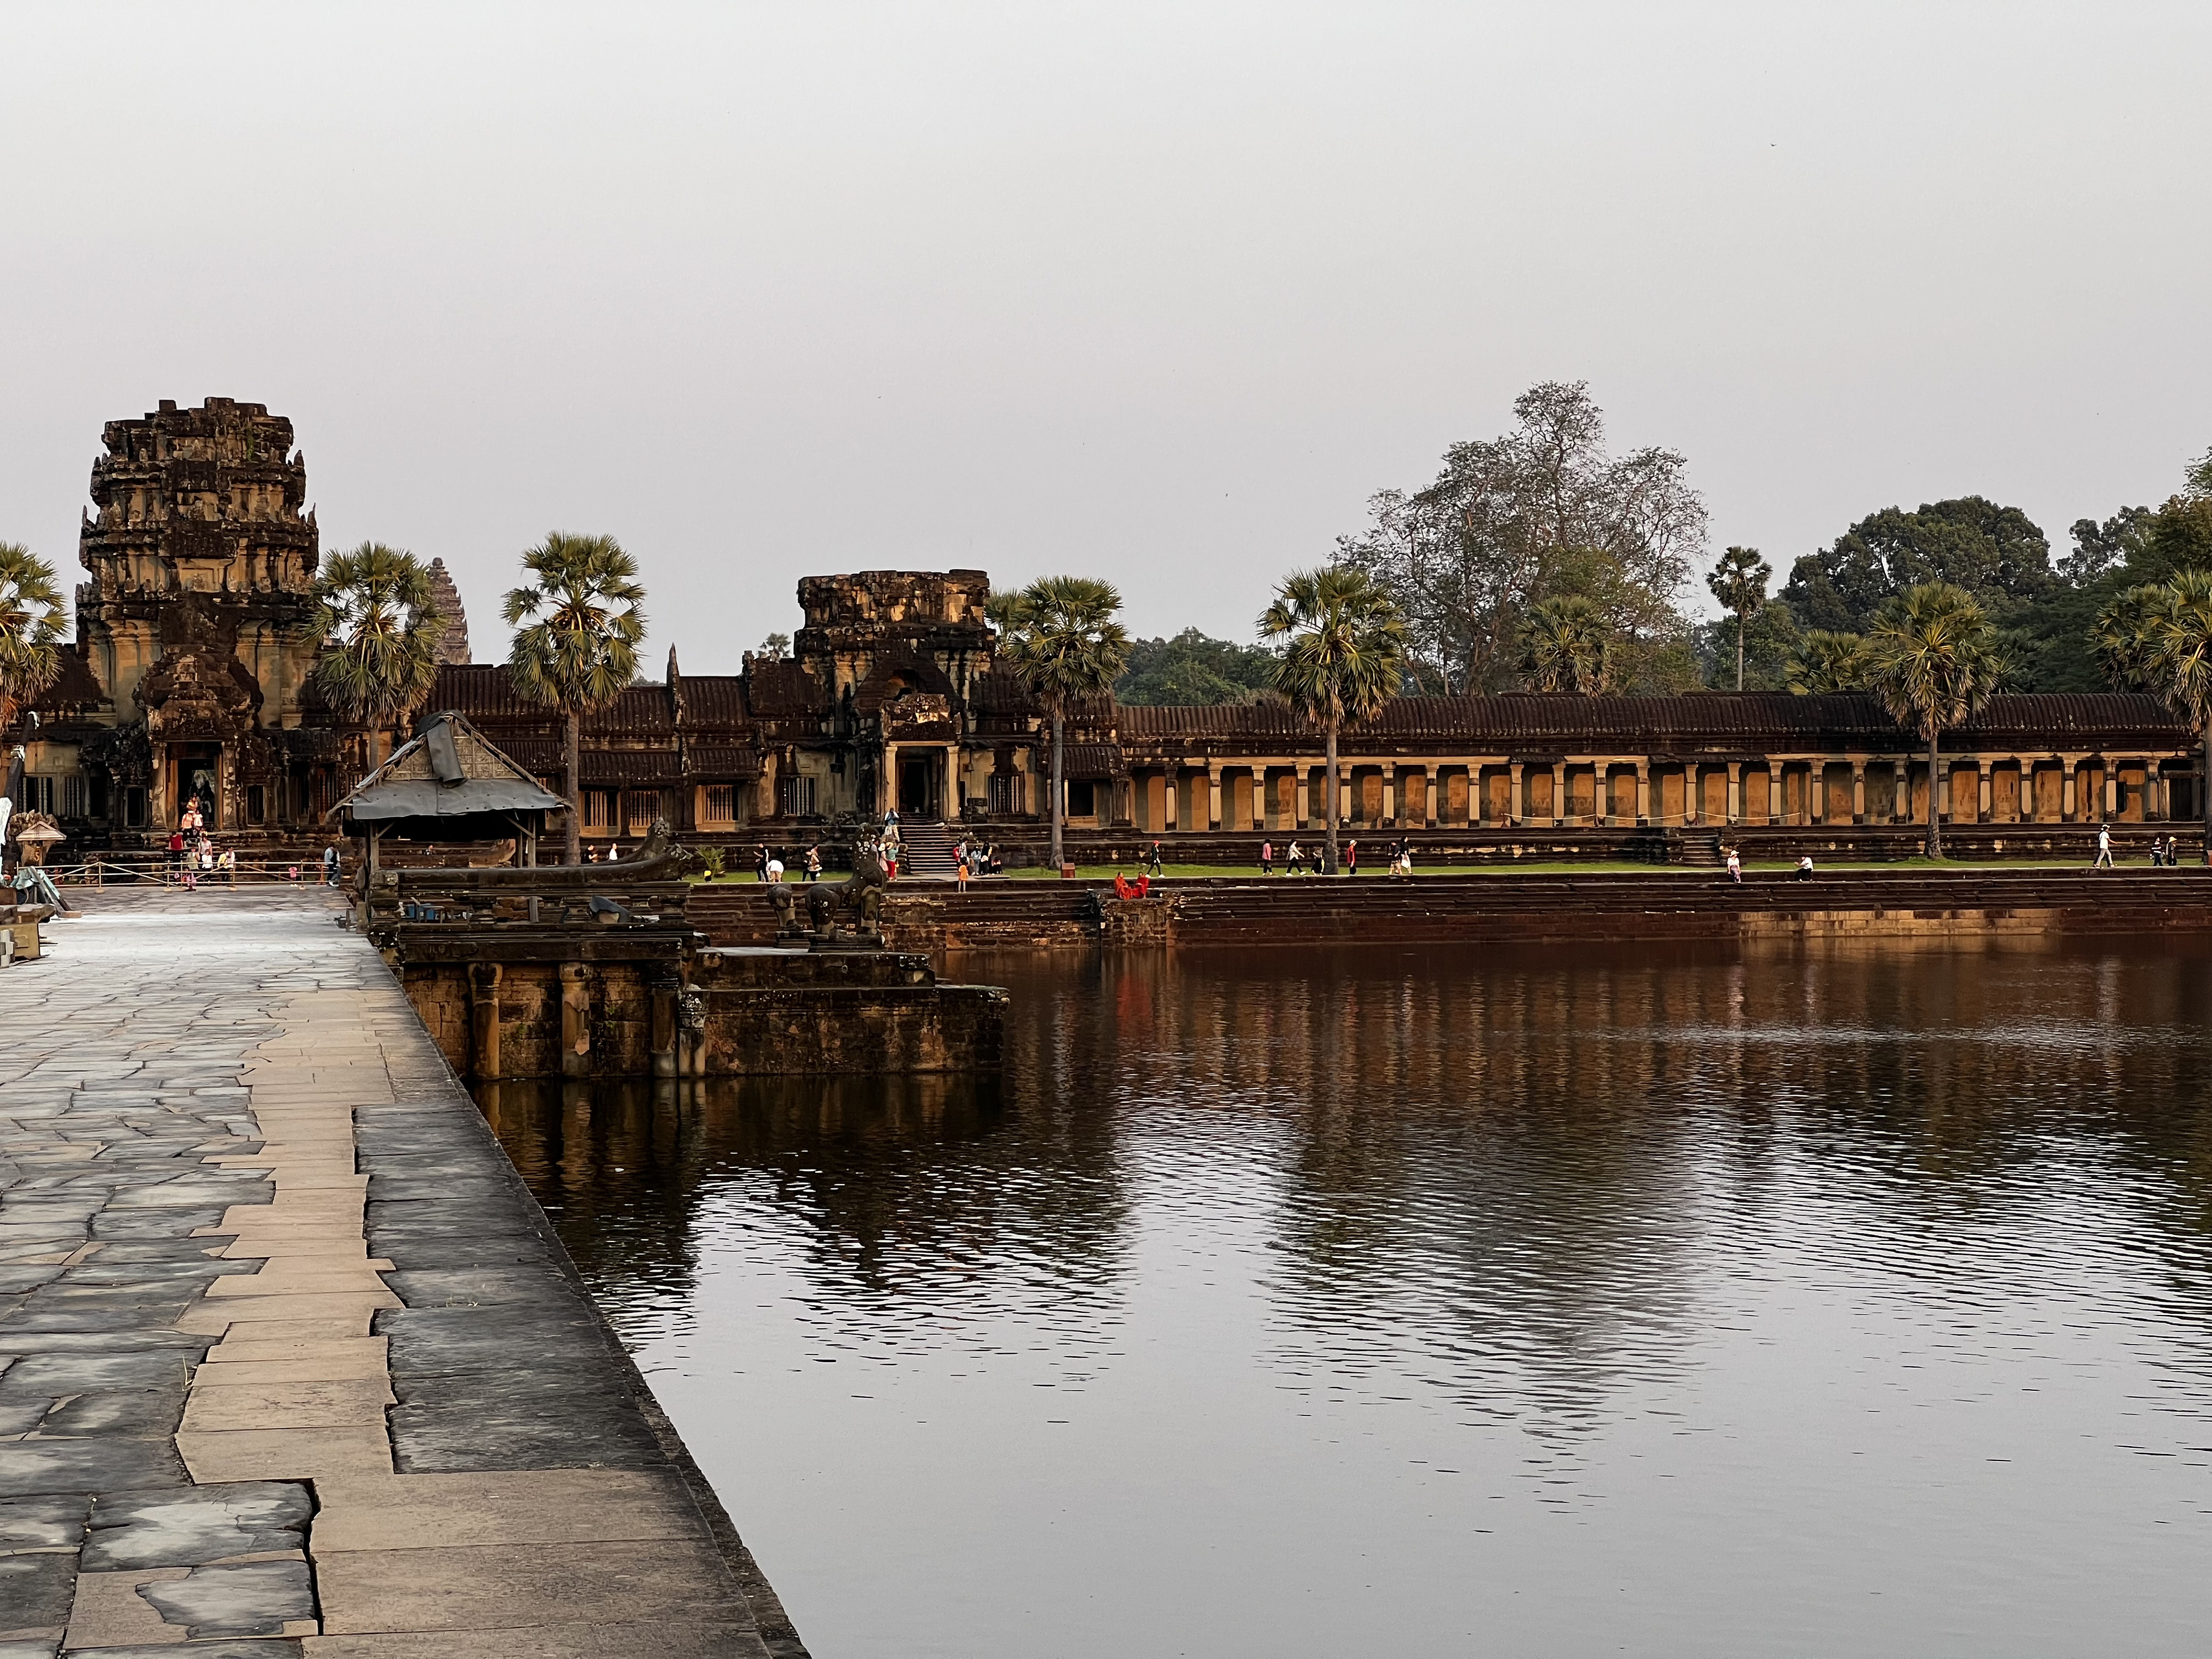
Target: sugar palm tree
1739, 582
1343, 653
1933, 662
1058, 635
1826, 661
2178, 635
377, 623
578, 622
2124, 635
1567, 644
30, 628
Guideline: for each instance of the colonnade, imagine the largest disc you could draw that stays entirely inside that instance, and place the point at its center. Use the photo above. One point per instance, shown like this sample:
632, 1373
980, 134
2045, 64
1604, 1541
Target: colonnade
1503, 791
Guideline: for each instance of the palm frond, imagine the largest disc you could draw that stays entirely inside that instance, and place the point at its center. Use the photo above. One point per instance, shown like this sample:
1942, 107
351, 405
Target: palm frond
579, 620
31, 619
377, 623
1343, 642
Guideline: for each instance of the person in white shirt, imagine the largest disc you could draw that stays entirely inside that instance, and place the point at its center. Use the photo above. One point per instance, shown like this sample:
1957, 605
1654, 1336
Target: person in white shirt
776, 870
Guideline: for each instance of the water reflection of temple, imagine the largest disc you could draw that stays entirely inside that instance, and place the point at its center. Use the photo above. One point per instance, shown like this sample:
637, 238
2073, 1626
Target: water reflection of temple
1539, 1168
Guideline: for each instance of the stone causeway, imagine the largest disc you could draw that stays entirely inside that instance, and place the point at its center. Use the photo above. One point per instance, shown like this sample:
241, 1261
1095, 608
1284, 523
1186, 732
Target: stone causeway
292, 1366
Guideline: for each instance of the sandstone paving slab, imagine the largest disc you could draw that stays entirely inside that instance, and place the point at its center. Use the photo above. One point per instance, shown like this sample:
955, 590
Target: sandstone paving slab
471, 1421
216, 1404
247, 1648
256, 1347
217, 1455
554, 1506
197, 1526
54, 1521
37, 1591
245, 1598
661, 1639
134, 1413
51, 1375
488, 1587
29, 1468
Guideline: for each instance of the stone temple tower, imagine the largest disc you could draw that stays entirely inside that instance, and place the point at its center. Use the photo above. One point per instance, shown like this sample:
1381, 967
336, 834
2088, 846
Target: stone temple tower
196, 619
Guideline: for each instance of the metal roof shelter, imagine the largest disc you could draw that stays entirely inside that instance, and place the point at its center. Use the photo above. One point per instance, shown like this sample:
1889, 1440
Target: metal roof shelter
447, 784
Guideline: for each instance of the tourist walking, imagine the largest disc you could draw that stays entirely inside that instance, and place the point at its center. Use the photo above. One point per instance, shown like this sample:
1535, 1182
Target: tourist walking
176, 855
1267, 857
331, 865
1156, 867
1294, 860
1351, 857
2104, 847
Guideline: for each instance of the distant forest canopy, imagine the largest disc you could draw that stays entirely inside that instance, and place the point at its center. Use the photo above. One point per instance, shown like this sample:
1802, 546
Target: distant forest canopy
1541, 546
1191, 670
1543, 529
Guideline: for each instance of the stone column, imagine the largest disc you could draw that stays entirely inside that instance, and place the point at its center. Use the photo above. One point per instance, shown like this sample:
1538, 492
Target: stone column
2111, 790
2069, 789
1858, 789
1643, 791
1986, 788
1301, 796
1390, 810
950, 789
1429, 797
1516, 802
1213, 796
1559, 792
1735, 792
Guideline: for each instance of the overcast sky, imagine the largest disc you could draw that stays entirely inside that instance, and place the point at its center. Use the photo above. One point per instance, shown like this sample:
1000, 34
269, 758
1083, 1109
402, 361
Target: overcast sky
1160, 294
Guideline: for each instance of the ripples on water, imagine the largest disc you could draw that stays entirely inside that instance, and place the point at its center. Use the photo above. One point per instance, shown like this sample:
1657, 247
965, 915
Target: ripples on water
1420, 1302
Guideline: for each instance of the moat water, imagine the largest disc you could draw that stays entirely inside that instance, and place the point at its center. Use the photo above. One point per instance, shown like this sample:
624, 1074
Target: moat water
1422, 1301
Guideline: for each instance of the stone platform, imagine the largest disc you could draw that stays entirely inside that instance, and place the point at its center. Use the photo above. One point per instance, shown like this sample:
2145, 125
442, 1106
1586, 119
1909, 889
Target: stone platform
291, 1365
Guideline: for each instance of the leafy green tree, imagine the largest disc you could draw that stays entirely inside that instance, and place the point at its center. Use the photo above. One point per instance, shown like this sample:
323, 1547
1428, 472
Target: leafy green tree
1058, 635
1193, 671
1543, 512
1934, 662
31, 617
378, 624
1828, 661
1769, 642
1739, 582
1996, 553
2158, 637
776, 647
2181, 663
2102, 549
578, 621
2124, 636
1567, 644
1343, 653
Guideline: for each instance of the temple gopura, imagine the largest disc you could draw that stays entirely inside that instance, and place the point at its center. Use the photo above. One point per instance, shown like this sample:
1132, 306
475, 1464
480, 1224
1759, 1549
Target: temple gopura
189, 681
